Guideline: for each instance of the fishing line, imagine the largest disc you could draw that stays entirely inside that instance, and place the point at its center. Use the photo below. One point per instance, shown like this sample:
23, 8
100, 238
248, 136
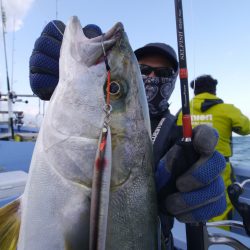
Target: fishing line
57, 28
108, 72
108, 87
56, 9
13, 52
107, 107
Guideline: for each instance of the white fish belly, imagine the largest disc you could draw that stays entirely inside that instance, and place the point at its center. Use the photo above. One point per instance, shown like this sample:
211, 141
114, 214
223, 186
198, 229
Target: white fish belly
56, 203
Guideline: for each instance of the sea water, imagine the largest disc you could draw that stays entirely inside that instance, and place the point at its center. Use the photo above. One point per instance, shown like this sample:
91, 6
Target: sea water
241, 165
241, 161
241, 151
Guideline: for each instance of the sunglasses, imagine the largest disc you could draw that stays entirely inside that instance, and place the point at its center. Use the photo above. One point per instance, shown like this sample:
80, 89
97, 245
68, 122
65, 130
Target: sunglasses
159, 71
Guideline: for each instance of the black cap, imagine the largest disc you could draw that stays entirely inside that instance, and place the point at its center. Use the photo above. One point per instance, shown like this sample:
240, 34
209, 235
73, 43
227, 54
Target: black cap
204, 83
92, 30
158, 48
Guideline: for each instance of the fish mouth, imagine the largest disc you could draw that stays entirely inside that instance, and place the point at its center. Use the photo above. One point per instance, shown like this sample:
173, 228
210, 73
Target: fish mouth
114, 34
89, 50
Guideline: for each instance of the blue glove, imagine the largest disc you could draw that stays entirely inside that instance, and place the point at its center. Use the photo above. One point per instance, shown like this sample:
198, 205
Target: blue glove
199, 193
44, 60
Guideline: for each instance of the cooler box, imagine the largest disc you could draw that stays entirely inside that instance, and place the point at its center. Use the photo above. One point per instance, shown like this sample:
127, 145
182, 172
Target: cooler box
12, 185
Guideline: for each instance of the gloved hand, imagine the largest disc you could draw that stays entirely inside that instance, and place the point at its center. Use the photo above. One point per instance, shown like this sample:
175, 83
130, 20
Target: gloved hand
44, 60
198, 193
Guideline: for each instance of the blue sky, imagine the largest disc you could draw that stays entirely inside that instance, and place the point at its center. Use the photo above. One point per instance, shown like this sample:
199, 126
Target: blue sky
217, 38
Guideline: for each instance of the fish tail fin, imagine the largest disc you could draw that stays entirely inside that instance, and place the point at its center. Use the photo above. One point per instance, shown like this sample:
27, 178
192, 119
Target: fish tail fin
9, 225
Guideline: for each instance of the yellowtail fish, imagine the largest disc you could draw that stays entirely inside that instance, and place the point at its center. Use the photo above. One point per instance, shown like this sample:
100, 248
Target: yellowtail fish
61, 207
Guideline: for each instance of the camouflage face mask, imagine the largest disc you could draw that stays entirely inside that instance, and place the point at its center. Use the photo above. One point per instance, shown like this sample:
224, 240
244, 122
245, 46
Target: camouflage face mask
158, 91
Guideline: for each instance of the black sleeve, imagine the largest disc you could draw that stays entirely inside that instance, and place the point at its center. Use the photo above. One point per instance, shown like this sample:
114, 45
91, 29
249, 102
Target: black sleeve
168, 135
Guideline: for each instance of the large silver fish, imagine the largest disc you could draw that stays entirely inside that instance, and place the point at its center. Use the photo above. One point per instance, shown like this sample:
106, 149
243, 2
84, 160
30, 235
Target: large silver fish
55, 207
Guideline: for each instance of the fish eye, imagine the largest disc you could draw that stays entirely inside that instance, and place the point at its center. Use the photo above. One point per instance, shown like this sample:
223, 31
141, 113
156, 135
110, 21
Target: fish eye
115, 88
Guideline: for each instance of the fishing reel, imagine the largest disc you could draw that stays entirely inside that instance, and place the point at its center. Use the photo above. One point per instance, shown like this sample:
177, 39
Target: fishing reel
234, 192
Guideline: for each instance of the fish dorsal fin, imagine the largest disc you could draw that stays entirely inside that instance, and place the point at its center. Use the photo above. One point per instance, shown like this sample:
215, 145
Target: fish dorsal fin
9, 225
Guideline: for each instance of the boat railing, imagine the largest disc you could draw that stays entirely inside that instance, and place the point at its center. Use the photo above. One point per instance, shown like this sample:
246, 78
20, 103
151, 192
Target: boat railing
14, 122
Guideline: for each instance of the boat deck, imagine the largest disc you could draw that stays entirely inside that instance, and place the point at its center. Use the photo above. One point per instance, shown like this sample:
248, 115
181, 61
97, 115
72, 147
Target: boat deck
16, 156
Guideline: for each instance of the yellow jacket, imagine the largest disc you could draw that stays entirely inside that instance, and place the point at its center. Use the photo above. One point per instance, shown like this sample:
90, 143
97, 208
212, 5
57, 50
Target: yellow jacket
226, 118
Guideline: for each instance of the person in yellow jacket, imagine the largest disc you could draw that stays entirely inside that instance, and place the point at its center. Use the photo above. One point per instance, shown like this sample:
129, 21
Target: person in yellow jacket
207, 108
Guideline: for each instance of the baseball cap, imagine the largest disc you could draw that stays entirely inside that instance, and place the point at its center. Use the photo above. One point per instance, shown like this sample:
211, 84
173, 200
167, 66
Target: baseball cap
158, 48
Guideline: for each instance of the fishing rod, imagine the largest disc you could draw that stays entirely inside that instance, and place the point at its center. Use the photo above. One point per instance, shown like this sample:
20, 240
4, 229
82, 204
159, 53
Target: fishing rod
195, 232
11, 125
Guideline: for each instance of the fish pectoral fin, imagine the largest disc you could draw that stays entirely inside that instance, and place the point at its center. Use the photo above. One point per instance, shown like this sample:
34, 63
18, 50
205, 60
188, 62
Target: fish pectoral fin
9, 225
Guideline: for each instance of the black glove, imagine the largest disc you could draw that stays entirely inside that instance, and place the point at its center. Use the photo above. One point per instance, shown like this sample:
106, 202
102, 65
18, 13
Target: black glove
44, 60
198, 193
